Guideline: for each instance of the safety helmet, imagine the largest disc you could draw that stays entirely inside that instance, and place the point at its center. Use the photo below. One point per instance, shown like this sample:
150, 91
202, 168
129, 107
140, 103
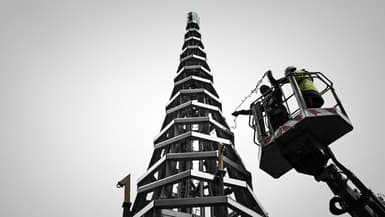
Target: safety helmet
290, 69
264, 89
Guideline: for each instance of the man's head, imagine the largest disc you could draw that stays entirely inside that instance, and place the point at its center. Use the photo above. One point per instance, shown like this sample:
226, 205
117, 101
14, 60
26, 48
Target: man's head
264, 89
290, 69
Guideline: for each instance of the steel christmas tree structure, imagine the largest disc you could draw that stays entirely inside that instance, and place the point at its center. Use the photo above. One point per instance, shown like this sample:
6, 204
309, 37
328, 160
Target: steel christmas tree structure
195, 169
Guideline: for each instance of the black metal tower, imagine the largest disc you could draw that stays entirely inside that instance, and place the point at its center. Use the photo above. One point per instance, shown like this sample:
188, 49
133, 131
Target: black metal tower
195, 169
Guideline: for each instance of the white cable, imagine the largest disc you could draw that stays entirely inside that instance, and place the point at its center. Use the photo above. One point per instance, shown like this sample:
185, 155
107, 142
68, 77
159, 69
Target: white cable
255, 90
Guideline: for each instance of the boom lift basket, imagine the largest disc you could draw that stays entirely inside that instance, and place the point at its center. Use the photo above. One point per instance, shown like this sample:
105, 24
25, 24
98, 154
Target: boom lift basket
307, 130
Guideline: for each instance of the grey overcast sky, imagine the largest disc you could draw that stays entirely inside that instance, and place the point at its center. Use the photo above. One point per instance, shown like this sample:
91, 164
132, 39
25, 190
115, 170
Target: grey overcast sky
83, 86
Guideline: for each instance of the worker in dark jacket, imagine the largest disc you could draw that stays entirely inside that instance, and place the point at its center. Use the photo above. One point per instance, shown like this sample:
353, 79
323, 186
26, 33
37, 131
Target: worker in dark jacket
311, 96
272, 103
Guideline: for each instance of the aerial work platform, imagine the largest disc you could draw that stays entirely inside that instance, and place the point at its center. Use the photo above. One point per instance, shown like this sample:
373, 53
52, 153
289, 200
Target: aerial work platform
316, 125
301, 139
306, 131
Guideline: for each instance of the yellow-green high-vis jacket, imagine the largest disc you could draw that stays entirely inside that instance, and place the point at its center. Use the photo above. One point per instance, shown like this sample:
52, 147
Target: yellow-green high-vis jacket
304, 82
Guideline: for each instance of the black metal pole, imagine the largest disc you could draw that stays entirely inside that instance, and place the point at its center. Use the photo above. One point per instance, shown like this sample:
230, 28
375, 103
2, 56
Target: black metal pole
126, 209
220, 174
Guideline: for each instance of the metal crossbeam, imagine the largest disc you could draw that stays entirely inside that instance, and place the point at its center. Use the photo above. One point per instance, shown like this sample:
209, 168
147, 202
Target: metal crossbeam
191, 202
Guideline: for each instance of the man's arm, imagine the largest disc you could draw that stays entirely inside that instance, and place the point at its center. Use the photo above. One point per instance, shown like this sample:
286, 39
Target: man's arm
283, 80
271, 78
241, 112
275, 82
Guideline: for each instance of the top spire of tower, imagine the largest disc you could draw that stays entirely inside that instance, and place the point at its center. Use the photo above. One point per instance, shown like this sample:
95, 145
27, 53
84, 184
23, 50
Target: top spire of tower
192, 20
192, 17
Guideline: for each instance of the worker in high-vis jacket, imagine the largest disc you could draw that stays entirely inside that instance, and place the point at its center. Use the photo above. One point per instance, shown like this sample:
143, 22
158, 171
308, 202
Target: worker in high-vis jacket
311, 96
